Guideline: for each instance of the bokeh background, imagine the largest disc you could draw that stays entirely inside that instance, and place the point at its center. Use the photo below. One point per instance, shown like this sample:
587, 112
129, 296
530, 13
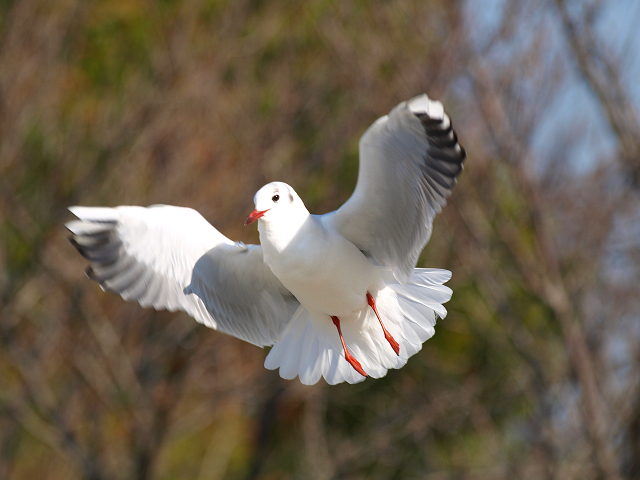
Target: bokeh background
534, 373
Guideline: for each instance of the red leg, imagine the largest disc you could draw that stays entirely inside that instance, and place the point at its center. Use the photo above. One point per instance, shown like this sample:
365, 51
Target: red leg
387, 335
354, 363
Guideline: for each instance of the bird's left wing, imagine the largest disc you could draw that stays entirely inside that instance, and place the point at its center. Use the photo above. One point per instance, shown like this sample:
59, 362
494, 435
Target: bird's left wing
409, 161
172, 258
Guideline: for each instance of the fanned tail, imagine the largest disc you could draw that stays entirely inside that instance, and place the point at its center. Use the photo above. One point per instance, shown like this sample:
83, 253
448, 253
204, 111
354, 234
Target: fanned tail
310, 347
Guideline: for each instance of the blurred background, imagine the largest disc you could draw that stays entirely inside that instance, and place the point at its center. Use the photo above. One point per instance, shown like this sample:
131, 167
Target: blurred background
533, 374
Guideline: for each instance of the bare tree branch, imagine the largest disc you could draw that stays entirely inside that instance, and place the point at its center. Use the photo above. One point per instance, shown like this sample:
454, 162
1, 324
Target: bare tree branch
544, 278
602, 73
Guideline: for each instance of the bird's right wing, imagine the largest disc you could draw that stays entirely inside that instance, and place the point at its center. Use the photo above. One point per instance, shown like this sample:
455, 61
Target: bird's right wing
172, 258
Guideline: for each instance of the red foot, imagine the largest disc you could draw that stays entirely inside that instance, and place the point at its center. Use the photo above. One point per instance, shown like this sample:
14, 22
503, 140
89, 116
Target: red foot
354, 363
387, 335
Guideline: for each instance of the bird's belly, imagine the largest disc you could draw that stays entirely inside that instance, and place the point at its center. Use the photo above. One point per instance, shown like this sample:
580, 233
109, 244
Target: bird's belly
333, 282
328, 298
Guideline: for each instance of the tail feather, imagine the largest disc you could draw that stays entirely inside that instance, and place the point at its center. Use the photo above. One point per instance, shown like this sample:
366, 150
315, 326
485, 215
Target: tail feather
280, 353
310, 347
429, 277
299, 355
336, 369
417, 295
311, 370
421, 324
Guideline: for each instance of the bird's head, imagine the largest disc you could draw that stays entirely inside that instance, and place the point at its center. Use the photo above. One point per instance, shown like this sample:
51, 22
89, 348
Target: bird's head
276, 200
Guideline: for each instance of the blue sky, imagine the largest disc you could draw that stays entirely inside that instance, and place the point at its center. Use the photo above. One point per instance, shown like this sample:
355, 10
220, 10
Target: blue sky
574, 109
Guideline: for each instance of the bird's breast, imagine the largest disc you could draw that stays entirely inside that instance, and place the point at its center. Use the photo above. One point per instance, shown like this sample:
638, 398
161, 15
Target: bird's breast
327, 274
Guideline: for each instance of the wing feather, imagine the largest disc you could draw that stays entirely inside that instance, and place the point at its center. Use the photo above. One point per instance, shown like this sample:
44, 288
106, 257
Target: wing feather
409, 161
172, 258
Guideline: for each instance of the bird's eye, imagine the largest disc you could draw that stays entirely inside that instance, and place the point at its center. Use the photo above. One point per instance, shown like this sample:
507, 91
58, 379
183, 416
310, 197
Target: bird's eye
275, 198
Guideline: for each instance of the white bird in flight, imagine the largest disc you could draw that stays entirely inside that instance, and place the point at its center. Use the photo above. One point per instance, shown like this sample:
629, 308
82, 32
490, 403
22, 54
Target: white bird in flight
335, 295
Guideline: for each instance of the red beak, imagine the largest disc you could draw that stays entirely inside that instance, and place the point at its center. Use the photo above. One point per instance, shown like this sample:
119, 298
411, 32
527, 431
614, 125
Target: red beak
253, 216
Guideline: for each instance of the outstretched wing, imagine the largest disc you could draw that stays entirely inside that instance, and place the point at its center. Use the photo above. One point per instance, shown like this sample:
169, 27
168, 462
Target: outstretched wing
409, 161
172, 258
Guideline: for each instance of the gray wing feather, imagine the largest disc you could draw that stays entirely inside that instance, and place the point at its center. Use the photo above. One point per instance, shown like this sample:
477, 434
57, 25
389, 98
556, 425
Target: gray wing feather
409, 161
172, 258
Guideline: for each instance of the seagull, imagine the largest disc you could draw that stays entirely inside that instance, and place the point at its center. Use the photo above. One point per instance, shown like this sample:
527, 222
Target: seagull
336, 296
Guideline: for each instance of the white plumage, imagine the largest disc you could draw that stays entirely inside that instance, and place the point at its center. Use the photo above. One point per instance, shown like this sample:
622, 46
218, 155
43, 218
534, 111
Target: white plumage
314, 280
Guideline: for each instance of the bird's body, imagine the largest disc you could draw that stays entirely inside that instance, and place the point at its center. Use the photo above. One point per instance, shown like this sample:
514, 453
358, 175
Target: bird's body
324, 271
336, 295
